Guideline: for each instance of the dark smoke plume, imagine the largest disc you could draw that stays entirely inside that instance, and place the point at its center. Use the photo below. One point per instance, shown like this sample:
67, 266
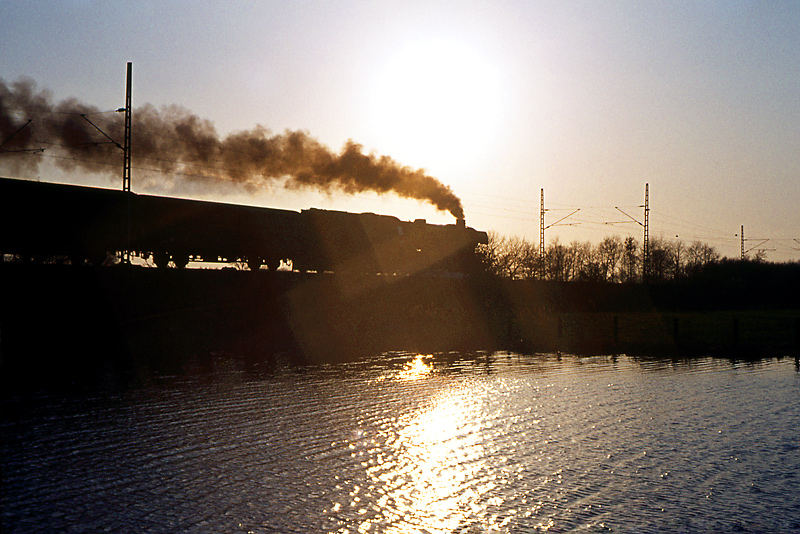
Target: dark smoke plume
176, 142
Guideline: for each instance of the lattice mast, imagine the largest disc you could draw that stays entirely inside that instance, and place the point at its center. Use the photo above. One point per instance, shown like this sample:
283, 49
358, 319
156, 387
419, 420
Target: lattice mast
126, 144
646, 246
126, 166
741, 234
541, 237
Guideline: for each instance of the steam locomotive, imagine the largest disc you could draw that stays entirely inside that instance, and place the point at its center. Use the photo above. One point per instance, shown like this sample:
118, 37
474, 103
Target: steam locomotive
57, 222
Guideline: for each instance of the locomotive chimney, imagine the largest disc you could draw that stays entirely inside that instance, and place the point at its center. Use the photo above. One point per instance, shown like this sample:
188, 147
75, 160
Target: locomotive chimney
461, 223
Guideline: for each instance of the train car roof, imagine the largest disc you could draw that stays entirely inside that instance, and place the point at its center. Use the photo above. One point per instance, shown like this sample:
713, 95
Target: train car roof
7, 181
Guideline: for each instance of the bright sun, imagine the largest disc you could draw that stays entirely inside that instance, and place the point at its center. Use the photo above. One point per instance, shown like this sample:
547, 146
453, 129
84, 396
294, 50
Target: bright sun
435, 101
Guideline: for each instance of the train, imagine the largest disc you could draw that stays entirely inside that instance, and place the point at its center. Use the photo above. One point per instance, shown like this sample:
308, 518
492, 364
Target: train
80, 225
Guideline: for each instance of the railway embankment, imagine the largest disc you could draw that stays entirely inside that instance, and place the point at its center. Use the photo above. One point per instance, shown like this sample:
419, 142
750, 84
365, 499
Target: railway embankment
82, 321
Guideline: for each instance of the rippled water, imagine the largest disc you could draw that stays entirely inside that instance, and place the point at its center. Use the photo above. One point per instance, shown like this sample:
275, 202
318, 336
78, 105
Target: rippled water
405, 443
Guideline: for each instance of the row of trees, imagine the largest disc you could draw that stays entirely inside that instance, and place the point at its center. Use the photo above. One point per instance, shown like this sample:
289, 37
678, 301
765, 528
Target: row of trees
614, 259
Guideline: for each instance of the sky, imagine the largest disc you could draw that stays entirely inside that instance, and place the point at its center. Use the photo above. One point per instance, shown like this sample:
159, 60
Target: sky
497, 100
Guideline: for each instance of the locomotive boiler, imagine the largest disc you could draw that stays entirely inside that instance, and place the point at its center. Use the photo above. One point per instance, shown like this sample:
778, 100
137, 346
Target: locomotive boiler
77, 224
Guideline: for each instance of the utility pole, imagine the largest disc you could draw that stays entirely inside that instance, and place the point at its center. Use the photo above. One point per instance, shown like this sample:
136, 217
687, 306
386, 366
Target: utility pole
126, 144
742, 238
646, 247
541, 238
646, 226
126, 166
542, 228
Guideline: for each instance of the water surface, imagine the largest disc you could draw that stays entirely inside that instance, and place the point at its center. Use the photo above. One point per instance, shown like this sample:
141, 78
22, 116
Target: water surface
410, 443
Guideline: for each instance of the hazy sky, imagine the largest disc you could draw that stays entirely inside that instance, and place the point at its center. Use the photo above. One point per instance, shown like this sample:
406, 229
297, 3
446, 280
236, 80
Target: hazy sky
588, 100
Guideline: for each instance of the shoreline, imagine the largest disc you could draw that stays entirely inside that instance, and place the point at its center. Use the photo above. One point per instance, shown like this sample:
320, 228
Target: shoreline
80, 319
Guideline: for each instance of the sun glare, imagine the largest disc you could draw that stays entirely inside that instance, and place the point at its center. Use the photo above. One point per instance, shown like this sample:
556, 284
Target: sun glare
434, 101
415, 369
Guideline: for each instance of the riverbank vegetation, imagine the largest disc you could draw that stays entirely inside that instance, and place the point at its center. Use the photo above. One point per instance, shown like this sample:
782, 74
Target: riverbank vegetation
618, 260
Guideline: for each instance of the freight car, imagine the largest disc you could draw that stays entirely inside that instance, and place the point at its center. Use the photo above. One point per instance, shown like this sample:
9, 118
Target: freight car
57, 222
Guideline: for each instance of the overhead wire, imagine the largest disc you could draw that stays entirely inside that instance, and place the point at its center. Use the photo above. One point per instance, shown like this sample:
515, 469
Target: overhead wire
42, 113
596, 221
676, 225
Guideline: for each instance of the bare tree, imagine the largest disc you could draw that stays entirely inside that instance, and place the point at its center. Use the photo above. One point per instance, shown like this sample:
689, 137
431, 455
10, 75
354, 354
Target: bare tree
611, 260
556, 261
512, 257
699, 254
609, 254
583, 265
760, 256
630, 260
678, 252
488, 255
528, 260
659, 259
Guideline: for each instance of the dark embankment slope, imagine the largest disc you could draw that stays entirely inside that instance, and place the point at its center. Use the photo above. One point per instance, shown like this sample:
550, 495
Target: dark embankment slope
66, 319
82, 321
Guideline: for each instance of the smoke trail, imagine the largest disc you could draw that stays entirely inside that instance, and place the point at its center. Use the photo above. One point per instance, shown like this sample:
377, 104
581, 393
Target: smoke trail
174, 141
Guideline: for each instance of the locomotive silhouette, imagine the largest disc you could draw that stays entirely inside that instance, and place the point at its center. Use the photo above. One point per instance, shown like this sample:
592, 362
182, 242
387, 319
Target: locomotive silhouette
48, 222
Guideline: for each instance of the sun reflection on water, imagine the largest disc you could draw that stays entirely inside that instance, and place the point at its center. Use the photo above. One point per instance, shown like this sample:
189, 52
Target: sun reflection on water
415, 369
432, 475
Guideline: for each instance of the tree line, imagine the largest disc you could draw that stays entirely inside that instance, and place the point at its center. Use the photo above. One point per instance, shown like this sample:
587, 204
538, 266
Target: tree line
613, 259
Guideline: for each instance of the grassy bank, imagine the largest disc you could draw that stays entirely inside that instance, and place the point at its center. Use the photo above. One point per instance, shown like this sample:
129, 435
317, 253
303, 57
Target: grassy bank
741, 333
